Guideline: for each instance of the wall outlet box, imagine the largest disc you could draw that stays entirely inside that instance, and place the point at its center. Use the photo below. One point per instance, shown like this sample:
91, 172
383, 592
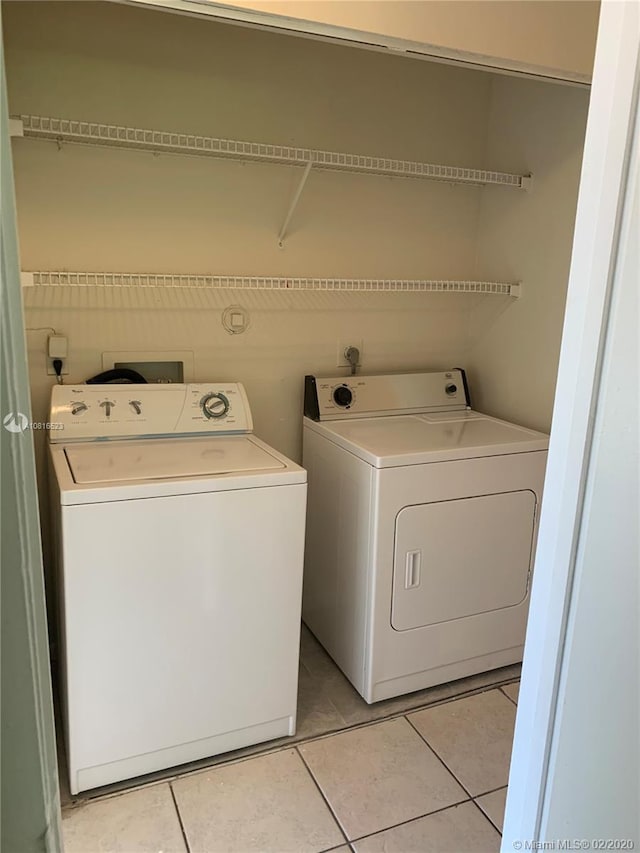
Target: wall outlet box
156, 371
177, 360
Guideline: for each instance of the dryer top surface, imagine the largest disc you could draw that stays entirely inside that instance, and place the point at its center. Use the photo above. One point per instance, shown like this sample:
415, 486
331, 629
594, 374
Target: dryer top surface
386, 442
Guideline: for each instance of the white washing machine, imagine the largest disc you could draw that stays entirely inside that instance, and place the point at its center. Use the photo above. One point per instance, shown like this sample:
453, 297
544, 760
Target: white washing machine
179, 547
421, 528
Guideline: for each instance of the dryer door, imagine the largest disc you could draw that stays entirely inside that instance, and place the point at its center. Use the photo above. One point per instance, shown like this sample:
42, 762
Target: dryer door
457, 558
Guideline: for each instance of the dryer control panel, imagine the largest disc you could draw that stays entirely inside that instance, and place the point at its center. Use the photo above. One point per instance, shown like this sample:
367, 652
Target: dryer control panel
130, 411
340, 397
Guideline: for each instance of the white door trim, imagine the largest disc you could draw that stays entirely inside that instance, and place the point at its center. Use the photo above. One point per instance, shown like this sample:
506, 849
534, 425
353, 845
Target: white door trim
600, 202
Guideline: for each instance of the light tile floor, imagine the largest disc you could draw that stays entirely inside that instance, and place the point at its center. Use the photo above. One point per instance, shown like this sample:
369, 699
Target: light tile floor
423, 779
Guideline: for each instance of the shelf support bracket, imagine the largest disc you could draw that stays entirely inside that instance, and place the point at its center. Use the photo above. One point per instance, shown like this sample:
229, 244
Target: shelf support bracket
294, 203
516, 290
16, 127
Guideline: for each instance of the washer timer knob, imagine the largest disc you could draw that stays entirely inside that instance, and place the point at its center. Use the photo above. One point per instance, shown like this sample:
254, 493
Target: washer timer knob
451, 389
214, 406
343, 396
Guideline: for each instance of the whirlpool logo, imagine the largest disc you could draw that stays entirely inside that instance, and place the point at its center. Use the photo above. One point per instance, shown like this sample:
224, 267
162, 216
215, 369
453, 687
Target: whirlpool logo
15, 422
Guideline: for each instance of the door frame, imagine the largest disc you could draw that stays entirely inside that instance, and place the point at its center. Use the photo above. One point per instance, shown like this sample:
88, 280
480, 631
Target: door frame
30, 789
601, 200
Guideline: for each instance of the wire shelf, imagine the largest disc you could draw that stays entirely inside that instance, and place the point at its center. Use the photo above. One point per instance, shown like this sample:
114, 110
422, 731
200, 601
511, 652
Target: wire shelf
158, 280
97, 133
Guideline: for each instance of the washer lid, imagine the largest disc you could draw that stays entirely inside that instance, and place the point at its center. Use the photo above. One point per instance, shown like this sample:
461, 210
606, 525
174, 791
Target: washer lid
158, 459
416, 439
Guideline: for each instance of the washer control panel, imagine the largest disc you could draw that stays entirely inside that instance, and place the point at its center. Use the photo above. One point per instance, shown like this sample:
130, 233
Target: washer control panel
127, 411
340, 397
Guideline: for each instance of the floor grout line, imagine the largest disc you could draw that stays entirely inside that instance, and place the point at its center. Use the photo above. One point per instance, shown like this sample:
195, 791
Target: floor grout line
393, 715
504, 693
267, 750
297, 749
473, 798
467, 799
492, 791
182, 828
413, 819
441, 760
486, 816
80, 802
326, 801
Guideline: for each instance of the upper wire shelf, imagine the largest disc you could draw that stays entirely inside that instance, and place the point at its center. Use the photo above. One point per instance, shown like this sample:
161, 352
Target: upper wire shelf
142, 280
97, 133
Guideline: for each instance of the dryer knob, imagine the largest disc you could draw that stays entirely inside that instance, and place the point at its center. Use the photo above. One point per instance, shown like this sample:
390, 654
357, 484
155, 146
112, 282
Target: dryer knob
451, 389
342, 396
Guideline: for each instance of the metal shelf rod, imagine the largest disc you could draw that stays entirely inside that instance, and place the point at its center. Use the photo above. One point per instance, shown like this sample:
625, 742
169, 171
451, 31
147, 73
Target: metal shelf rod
97, 133
159, 280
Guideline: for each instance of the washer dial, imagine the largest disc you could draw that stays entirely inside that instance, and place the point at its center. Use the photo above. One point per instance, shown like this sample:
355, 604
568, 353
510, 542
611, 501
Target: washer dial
214, 406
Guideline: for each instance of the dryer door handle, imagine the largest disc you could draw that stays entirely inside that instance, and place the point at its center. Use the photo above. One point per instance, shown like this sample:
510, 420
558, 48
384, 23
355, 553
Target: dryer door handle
413, 566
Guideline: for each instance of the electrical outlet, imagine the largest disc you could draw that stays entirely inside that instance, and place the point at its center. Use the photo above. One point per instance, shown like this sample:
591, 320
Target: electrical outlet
344, 344
51, 371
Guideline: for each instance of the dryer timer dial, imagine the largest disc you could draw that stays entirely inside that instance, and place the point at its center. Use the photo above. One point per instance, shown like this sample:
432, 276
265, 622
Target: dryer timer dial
343, 396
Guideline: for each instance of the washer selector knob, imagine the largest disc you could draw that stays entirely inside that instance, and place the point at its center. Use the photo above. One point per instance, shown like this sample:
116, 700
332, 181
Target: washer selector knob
451, 389
343, 396
214, 406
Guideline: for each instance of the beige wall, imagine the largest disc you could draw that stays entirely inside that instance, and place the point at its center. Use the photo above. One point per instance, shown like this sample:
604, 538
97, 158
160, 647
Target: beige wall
513, 355
102, 209
549, 37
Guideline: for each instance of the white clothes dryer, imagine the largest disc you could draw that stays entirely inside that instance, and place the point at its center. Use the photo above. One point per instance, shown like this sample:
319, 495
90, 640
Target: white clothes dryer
179, 543
421, 529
